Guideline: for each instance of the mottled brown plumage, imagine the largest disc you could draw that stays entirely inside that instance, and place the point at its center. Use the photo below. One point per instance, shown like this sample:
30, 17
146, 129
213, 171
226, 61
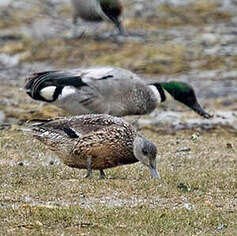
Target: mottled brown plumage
96, 142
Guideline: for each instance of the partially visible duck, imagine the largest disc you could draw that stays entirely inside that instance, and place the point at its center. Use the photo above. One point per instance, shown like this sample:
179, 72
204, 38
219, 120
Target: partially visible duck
96, 142
98, 10
107, 90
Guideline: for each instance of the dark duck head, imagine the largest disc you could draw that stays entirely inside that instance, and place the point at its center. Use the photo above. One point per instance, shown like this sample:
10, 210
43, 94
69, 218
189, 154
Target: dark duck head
183, 93
113, 9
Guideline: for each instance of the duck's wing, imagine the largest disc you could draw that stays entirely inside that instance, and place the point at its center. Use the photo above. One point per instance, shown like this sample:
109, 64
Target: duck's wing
78, 126
62, 134
116, 88
109, 146
37, 83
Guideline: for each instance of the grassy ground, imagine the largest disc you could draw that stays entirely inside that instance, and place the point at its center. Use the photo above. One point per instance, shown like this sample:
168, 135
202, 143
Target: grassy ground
155, 56
196, 195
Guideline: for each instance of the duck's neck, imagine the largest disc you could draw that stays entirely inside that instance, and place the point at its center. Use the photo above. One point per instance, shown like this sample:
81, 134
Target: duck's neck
158, 92
115, 4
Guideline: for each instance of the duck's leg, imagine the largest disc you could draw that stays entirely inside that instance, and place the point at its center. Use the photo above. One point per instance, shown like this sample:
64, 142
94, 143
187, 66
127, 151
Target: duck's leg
119, 26
77, 30
74, 24
102, 174
88, 175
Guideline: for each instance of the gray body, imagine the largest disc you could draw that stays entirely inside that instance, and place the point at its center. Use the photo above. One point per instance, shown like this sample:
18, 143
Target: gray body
120, 95
96, 10
89, 10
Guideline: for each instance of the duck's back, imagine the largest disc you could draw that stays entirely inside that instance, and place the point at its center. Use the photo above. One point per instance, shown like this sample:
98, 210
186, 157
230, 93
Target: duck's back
107, 140
117, 92
87, 9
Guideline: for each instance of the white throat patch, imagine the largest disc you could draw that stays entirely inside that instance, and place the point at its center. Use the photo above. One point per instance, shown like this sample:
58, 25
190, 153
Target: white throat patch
156, 93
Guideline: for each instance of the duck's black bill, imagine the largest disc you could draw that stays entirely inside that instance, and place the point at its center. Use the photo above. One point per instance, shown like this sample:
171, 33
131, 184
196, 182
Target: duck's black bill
198, 109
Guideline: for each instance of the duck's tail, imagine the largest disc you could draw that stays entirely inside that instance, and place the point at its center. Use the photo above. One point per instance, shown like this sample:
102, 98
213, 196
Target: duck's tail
57, 137
55, 81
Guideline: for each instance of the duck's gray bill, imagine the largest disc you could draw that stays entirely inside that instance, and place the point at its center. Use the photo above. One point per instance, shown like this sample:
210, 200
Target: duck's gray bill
154, 172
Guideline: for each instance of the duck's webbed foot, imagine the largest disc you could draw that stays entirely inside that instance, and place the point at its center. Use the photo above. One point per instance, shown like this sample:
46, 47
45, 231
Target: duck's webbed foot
89, 171
102, 175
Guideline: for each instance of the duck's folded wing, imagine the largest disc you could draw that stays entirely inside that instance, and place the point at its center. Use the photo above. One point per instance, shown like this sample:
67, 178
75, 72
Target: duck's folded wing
77, 126
97, 90
76, 77
35, 83
98, 141
111, 146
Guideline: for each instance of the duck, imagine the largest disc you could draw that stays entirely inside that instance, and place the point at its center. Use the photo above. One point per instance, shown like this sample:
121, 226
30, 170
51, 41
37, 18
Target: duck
108, 90
97, 10
95, 142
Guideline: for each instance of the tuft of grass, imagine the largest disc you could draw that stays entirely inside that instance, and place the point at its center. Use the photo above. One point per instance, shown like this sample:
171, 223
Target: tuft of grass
198, 13
11, 17
165, 16
168, 58
150, 59
14, 48
106, 220
211, 62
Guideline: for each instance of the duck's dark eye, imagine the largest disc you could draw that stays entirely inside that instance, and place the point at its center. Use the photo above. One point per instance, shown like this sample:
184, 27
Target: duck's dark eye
144, 151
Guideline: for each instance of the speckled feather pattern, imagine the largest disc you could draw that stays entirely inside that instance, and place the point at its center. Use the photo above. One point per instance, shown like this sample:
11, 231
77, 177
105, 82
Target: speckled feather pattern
143, 101
108, 147
107, 140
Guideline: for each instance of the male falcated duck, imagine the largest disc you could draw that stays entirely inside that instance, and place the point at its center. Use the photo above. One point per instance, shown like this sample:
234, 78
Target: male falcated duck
97, 10
96, 141
107, 90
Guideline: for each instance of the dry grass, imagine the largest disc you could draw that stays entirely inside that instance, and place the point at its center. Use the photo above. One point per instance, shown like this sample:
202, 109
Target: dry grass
156, 57
166, 16
44, 196
197, 193
199, 13
13, 17
140, 57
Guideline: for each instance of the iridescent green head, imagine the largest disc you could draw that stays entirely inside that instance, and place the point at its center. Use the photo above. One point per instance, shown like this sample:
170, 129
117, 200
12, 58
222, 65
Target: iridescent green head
185, 94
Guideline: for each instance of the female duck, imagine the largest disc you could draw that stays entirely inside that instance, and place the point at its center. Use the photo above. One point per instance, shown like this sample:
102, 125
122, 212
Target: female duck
96, 142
